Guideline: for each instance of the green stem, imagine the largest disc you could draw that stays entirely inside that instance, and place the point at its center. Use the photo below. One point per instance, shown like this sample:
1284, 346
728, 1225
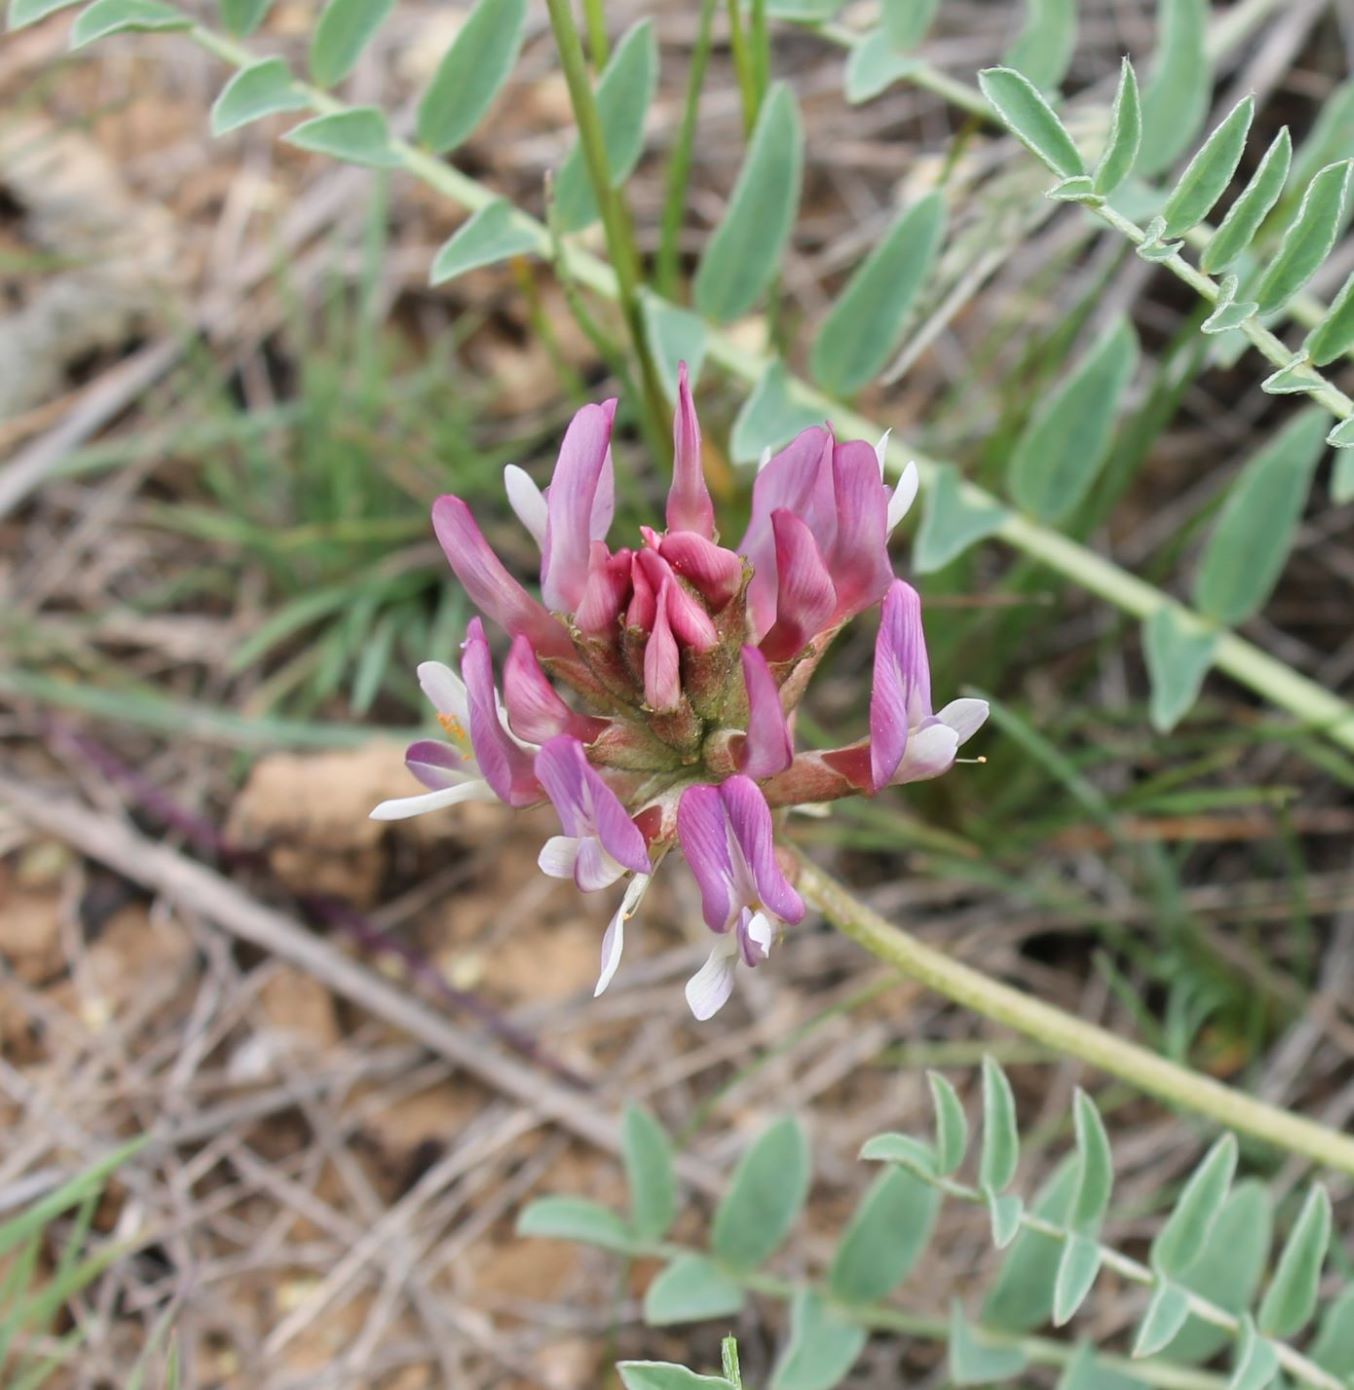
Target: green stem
1316, 708
595, 20
620, 239
666, 270
743, 66
1148, 1072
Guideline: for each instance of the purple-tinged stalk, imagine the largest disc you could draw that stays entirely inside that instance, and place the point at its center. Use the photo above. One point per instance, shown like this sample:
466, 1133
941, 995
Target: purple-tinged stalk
683, 661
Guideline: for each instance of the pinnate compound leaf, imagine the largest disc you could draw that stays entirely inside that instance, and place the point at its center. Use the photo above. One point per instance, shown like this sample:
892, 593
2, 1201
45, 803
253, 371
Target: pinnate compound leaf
742, 256
1044, 47
1210, 171
1028, 116
874, 66
862, 328
1165, 1316
357, 136
493, 234
345, 28
472, 73
822, 1348
906, 22
1187, 1228
1175, 99
576, 1219
261, 89
1062, 448
1256, 1363
1001, 1137
1077, 1271
647, 1152
242, 17
1096, 1180
663, 1375
1179, 651
1228, 1270
820, 10
691, 1289
1296, 379
951, 1124
675, 336
1334, 335
887, 1235
1290, 1300
1252, 206
770, 416
1342, 436
765, 1197
1021, 1297
1309, 237
22, 13
624, 94
1004, 1212
902, 1149
1121, 149
105, 17
1333, 1349
953, 519
974, 1361
1249, 544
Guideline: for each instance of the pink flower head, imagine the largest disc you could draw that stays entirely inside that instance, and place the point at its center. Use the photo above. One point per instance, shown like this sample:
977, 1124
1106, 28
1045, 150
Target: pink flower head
727, 837
689, 504
650, 692
600, 841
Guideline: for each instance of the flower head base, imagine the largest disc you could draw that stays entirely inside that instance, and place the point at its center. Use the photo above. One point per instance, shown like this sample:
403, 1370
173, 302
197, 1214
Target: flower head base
684, 661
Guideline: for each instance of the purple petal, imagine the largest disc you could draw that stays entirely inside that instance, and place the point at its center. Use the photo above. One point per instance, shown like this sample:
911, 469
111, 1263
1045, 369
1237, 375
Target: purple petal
769, 748
750, 820
535, 709
587, 807
859, 555
435, 764
689, 504
717, 573
798, 479
579, 482
806, 594
643, 609
702, 831
662, 666
506, 767
491, 588
605, 592
900, 697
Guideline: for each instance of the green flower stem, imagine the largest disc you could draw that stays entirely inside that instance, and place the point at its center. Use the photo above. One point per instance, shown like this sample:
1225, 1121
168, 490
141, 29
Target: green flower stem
1071, 1036
1315, 707
594, 17
884, 1317
620, 239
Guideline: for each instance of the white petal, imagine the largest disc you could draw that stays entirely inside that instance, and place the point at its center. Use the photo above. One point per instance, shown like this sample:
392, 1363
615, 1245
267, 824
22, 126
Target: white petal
760, 933
881, 450
595, 868
445, 690
965, 717
904, 494
527, 500
763, 459
614, 940
476, 789
930, 751
709, 988
559, 854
